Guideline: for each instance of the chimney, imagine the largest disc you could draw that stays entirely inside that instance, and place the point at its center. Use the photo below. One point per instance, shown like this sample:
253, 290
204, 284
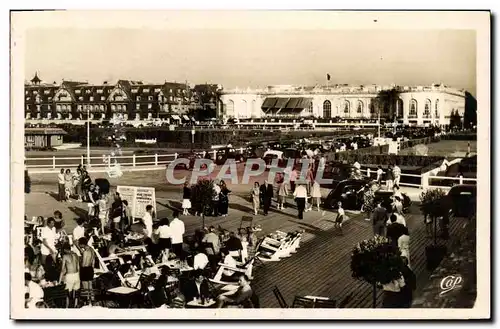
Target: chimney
105, 82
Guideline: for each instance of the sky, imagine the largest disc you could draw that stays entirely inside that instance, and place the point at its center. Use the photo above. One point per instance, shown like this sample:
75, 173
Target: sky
254, 57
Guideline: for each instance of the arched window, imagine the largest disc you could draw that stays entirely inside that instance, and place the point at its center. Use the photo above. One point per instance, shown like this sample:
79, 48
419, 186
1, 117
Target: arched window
427, 108
327, 109
347, 107
372, 108
360, 107
230, 108
436, 106
413, 108
399, 108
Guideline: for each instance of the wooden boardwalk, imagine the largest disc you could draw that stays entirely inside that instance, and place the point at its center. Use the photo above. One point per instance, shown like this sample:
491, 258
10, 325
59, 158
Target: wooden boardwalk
321, 265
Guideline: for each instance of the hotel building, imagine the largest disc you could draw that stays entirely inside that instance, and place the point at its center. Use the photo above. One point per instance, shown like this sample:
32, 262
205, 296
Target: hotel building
418, 105
127, 100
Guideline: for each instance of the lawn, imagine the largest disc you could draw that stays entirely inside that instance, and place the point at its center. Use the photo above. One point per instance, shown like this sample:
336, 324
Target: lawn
447, 148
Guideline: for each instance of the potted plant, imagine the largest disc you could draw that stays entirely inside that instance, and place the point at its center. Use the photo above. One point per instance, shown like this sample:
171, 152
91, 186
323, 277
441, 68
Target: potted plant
378, 262
201, 197
433, 207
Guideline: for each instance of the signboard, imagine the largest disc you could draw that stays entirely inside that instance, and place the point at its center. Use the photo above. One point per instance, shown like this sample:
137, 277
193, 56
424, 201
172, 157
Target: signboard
138, 198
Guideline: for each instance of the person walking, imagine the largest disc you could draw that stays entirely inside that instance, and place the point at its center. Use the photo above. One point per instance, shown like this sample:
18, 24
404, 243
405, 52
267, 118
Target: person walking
186, 199
267, 192
215, 199
316, 194
255, 195
300, 195
282, 193
340, 218
102, 206
397, 175
389, 179
380, 174
61, 185
379, 219
224, 199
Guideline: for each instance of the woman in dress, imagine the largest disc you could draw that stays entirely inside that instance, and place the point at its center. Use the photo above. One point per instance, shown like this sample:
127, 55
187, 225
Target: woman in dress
102, 205
223, 199
68, 184
186, 199
282, 192
255, 193
77, 183
316, 194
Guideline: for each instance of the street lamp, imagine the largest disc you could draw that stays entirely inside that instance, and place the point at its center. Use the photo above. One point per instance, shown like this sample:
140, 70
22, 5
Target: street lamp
88, 136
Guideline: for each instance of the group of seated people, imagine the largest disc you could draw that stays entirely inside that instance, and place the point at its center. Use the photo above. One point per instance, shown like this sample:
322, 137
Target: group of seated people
54, 258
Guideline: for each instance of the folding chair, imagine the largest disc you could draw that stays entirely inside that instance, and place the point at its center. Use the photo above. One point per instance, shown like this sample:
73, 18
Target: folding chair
246, 219
325, 303
302, 302
279, 297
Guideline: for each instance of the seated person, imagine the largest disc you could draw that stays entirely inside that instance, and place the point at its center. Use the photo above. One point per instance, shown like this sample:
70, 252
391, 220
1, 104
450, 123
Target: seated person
240, 297
33, 293
150, 267
200, 260
227, 274
197, 287
115, 245
233, 245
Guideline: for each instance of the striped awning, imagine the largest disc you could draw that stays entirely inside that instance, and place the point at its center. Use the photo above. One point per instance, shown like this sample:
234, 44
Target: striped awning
281, 103
193, 119
176, 117
269, 103
185, 117
292, 103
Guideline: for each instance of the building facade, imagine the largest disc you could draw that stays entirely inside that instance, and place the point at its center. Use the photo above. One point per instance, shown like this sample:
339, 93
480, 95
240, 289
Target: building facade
126, 100
408, 105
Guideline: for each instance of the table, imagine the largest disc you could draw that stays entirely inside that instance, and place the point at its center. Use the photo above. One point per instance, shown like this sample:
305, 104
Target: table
197, 303
315, 298
123, 290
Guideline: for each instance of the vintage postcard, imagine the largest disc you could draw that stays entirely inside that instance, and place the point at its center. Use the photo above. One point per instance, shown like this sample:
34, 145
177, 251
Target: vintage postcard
250, 165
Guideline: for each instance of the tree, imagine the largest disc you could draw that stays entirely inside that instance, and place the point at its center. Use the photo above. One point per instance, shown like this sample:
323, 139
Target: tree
470, 113
201, 197
376, 261
455, 120
386, 100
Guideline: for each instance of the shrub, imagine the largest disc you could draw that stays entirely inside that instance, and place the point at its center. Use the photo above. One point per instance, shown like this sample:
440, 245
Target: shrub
201, 195
430, 202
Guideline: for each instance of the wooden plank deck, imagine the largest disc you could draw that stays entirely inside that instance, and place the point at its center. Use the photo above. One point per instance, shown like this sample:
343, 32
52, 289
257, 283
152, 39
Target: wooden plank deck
321, 265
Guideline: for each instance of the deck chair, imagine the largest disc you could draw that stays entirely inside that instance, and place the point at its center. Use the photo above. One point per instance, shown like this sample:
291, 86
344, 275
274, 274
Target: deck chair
302, 302
279, 297
246, 219
272, 250
246, 268
343, 303
325, 303
55, 297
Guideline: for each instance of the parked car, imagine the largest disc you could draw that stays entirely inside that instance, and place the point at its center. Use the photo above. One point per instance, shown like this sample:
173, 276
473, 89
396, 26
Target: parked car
191, 156
387, 200
255, 150
272, 155
349, 192
228, 153
462, 200
337, 172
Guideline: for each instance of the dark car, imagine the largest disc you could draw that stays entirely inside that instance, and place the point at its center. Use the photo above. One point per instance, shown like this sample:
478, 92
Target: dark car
349, 192
189, 156
462, 200
336, 172
228, 153
386, 198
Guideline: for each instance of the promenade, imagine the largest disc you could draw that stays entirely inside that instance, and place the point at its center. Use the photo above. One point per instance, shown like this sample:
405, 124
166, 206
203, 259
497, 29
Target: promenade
321, 266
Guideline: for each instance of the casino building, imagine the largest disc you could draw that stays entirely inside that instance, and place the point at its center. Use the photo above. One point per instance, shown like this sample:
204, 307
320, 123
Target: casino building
74, 101
417, 105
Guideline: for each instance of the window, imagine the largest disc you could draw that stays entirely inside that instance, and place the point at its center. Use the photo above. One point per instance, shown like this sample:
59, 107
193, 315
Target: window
150, 106
150, 98
372, 108
360, 107
49, 107
79, 107
87, 91
436, 113
50, 99
347, 107
171, 98
80, 98
103, 98
327, 109
91, 98
427, 108
35, 92
46, 92
101, 107
26, 92
99, 91
27, 107
157, 90
145, 90
78, 91
170, 91
135, 90
113, 107
137, 106
58, 107
413, 108
138, 98
310, 108
28, 98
